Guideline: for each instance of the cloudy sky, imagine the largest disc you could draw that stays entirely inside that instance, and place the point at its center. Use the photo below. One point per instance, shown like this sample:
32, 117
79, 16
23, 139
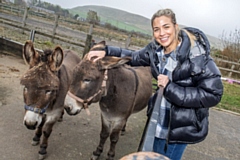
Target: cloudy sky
214, 17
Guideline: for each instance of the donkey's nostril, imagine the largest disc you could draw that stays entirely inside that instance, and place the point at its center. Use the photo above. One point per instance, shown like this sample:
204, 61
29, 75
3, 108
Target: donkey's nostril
29, 126
67, 109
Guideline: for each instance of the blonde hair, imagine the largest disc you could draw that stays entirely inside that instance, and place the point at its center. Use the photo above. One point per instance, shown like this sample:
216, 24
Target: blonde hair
164, 12
191, 37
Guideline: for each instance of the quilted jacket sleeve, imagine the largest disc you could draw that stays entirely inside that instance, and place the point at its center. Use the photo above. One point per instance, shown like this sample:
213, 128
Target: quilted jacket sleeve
139, 58
207, 91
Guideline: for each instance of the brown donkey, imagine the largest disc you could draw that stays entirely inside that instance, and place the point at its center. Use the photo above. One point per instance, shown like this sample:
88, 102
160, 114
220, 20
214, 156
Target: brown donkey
46, 84
120, 90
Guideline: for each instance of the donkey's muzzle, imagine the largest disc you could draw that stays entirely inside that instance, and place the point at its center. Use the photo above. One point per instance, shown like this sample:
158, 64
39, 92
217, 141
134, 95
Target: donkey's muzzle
31, 127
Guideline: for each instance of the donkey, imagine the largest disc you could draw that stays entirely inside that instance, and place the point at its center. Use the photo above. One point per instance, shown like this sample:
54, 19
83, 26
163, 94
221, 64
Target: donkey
46, 84
120, 90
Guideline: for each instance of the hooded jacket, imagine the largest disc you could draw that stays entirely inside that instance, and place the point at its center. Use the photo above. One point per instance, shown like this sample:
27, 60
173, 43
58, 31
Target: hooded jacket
195, 87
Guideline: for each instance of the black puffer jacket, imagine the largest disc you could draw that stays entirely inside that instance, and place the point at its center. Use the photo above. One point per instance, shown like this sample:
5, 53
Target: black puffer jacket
196, 85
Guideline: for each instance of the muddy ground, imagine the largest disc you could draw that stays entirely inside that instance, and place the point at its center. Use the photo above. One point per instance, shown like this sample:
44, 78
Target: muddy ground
77, 136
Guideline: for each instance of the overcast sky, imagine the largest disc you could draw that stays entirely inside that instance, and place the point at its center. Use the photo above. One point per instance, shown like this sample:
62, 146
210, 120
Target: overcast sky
211, 16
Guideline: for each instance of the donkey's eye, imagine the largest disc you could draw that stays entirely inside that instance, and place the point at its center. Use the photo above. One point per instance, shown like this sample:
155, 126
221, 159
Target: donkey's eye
48, 92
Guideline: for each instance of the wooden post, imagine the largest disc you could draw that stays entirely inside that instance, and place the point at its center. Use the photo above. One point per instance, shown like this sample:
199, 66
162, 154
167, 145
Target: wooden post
25, 18
1, 5
128, 41
230, 73
32, 35
55, 26
88, 41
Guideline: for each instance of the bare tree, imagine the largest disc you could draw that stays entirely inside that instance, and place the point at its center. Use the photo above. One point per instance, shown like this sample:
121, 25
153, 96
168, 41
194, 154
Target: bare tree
32, 2
231, 44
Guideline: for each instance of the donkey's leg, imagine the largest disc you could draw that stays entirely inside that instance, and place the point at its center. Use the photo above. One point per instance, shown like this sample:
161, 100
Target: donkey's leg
123, 130
61, 117
47, 130
114, 136
103, 137
38, 132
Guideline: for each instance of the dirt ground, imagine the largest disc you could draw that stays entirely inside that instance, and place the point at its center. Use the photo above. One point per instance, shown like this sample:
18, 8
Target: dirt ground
77, 136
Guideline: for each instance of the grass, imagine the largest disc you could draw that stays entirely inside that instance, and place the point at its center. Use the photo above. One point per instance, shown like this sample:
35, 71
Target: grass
117, 22
230, 99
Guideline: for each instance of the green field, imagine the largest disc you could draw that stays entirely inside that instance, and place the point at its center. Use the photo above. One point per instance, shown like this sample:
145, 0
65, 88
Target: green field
117, 18
230, 99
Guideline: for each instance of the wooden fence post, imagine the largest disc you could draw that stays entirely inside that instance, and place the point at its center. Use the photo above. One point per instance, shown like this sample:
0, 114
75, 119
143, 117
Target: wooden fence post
25, 17
32, 35
1, 5
88, 41
128, 41
55, 26
230, 73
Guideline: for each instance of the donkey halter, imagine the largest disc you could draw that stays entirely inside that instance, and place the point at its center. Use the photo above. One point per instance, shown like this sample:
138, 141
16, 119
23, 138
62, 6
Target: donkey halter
102, 91
35, 109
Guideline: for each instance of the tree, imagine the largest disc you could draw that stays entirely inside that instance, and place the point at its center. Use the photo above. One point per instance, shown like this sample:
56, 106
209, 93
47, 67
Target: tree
65, 13
231, 44
92, 17
76, 16
32, 2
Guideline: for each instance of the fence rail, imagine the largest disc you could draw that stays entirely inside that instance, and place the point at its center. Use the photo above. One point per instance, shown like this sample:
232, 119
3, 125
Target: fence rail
26, 27
17, 25
228, 68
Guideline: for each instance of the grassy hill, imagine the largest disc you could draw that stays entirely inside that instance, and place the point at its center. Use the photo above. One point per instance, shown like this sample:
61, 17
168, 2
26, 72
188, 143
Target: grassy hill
125, 20
116, 17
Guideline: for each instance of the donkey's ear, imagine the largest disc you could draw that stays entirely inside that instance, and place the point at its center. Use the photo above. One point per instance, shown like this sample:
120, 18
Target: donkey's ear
56, 59
109, 62
102, 43
30, 56
98, 46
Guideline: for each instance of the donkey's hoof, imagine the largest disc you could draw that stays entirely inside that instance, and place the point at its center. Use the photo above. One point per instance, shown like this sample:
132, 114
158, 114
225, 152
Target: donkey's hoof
94, 157
34, 143
123, 133
60, 119
42, 156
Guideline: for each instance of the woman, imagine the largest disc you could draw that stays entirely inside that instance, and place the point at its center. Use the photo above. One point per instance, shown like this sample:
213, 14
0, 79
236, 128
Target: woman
190, 78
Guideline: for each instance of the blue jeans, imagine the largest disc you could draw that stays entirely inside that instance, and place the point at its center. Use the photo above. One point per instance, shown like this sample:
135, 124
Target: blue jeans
174, 150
